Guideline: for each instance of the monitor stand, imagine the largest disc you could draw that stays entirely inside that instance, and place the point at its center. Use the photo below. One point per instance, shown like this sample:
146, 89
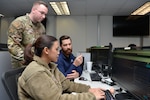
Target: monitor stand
124, 96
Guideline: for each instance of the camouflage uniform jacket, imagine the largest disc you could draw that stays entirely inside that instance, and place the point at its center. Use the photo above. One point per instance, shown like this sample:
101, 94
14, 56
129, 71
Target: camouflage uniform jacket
41, 82
20, 33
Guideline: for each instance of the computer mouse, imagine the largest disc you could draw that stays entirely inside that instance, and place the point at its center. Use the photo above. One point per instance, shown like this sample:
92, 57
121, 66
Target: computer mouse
82, 78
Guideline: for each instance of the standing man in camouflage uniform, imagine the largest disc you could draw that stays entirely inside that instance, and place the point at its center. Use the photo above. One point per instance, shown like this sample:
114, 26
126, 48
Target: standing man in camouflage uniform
25, 30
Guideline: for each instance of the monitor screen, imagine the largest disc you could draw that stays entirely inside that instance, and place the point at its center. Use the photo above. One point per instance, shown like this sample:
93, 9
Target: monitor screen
101, 58
132, 75
100, 55
130, 26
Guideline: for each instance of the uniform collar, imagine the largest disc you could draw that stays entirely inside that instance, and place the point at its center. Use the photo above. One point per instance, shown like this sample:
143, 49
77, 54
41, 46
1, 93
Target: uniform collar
50, 66
30, 21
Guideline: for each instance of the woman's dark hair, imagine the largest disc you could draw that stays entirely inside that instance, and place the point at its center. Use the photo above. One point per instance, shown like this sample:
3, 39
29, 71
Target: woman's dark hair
64, 37
40, 43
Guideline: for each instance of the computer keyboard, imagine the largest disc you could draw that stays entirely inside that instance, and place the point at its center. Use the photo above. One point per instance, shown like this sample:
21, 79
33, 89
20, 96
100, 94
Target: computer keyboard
95, 77
109, 96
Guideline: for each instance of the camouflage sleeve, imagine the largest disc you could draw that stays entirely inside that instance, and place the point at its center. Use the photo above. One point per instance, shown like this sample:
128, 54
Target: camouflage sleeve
14, 40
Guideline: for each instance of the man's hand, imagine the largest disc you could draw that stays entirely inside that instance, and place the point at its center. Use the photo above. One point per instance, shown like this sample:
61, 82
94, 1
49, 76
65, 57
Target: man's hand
73, 75
78, 61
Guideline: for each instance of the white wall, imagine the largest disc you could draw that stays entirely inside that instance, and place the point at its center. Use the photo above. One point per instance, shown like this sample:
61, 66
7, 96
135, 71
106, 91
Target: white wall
146, 41
82, 30
85, 31
51, 25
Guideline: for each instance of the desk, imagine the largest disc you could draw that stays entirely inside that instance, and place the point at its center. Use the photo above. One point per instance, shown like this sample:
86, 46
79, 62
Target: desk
94, 84
99, 84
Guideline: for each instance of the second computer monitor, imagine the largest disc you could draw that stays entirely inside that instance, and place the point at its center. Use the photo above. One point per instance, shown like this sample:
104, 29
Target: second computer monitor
101, 58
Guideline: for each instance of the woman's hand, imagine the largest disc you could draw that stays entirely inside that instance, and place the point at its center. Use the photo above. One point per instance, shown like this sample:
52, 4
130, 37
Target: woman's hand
98, 92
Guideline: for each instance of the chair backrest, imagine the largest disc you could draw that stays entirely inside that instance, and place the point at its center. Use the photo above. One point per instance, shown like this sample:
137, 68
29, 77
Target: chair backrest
10, 80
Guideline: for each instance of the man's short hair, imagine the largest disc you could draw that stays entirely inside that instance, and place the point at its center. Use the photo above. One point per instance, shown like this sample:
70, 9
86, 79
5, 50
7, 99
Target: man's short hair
40, 2
64, 37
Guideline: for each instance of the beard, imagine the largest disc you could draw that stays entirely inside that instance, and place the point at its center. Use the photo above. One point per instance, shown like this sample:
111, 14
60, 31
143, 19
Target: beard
67, 52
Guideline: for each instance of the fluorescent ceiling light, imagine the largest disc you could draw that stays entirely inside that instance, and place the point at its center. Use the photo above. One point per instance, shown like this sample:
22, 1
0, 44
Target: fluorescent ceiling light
61, 8
142, 10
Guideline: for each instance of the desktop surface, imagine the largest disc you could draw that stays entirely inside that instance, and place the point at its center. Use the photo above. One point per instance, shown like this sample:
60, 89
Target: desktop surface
94, 84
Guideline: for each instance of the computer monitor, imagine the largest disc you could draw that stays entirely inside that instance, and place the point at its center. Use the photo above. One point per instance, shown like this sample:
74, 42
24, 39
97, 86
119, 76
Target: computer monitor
101, 58
100, 55
132, 73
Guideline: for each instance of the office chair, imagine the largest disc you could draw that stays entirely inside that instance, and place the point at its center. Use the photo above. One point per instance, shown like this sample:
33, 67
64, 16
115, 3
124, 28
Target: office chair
9, 80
